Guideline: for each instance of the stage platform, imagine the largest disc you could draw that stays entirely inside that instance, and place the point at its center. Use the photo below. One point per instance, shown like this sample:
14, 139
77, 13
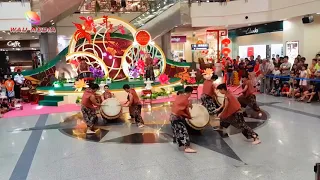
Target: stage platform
55, 96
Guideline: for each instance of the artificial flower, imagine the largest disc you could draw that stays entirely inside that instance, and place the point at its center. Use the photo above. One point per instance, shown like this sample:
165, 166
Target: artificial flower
163, 79
80, 84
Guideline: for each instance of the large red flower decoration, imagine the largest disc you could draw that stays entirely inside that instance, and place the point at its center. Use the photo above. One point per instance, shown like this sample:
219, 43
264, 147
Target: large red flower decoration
192, 80
141, 64
164, 79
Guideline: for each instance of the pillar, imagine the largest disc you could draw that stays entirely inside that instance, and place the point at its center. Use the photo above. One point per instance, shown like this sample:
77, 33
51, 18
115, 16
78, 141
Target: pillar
166, 44
48, 46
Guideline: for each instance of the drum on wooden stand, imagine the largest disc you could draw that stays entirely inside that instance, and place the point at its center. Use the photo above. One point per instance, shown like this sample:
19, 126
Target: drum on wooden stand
200, 117
25, 93
111, 108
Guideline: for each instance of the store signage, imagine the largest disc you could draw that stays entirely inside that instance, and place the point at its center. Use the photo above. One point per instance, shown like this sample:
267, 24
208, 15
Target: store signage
33, 30
178, 39
252, 31
258, 29
13, 44
199, 46
19, 44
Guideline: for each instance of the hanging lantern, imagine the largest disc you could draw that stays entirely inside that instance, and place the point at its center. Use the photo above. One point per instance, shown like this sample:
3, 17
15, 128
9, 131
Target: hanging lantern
200, 42
226, 51
226, 41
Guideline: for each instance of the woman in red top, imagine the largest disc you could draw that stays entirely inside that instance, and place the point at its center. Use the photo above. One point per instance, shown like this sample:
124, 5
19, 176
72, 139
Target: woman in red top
89, 105
135, 104
247, 98
232, 115
208, 97
179, 113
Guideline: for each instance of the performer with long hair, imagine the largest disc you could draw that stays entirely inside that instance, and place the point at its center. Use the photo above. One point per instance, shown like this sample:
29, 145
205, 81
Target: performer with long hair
135, 103
232, 115
179, 113
89, 107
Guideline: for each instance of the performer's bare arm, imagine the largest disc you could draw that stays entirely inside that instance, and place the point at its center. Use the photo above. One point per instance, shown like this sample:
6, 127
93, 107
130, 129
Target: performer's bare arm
244, 89
237, 88
225, 105
94, 100
128, 103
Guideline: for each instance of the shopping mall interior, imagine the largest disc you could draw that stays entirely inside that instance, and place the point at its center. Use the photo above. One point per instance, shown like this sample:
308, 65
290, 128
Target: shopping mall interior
159, 89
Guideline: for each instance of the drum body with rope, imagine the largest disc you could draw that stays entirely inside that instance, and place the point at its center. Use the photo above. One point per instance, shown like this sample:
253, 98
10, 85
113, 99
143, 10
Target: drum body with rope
25, 93
200, 117
111, 108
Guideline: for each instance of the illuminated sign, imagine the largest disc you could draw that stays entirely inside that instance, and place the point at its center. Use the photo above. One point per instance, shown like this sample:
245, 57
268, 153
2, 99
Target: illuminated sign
33, 30
13, 44
199, 46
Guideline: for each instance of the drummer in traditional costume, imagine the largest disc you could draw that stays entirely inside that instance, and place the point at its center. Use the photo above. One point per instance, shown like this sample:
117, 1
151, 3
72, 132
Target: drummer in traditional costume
89, 106
208, 97
107, 94
247, 98
179, 113
232, 115
134, 103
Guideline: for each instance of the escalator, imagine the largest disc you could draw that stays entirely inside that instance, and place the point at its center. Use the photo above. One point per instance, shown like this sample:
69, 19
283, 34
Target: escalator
163, 17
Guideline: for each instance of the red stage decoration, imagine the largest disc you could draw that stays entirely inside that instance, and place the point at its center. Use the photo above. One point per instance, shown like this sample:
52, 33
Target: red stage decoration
226, 41
155, 61
88, 24
141, 65
163, 79
143, 38
192, 80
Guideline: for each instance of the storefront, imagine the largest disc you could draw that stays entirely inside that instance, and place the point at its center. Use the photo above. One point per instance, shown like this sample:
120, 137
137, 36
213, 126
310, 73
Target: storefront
22, 54
265, 40
178, 47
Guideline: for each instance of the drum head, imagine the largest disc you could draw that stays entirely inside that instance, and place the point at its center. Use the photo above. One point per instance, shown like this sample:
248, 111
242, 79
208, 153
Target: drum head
25, 88
200, 116
111, 107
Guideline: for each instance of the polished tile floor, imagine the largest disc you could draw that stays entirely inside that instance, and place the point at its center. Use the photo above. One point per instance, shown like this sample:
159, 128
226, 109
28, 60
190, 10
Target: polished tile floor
50, 147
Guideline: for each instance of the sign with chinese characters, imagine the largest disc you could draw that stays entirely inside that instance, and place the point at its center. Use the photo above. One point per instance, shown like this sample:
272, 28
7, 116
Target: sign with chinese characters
178, 39
13, 44
199, 46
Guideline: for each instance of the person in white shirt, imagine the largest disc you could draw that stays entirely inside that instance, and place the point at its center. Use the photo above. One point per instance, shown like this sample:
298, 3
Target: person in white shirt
19, 80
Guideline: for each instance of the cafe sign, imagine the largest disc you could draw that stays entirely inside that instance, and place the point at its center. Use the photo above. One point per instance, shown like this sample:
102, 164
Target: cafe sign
14, 44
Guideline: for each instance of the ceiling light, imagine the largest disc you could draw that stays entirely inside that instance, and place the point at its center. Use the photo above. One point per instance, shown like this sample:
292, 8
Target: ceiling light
249, 24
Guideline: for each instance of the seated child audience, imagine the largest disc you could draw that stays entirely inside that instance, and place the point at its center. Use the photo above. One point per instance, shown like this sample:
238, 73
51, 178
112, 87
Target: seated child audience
295, 90
310, 94
276, 88
285, 90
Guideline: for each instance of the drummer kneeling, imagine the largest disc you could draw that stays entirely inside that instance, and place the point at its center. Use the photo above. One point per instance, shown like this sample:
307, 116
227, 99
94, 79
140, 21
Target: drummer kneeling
89, 105
179, 113
232, 115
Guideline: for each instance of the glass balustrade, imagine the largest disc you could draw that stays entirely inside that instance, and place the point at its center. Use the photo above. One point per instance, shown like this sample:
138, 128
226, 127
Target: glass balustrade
153, 12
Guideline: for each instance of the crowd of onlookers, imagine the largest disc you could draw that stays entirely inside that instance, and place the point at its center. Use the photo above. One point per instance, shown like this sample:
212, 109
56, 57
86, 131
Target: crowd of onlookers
277, 76
10, 89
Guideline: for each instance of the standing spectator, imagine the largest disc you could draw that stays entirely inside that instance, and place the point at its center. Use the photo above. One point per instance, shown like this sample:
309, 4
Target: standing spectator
264, 70
230, 68
9, 84
311, 70
19, 80
251, 64
285, 68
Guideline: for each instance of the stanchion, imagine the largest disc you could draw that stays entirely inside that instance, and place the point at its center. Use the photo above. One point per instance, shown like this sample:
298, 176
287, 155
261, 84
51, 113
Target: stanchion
317, 171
